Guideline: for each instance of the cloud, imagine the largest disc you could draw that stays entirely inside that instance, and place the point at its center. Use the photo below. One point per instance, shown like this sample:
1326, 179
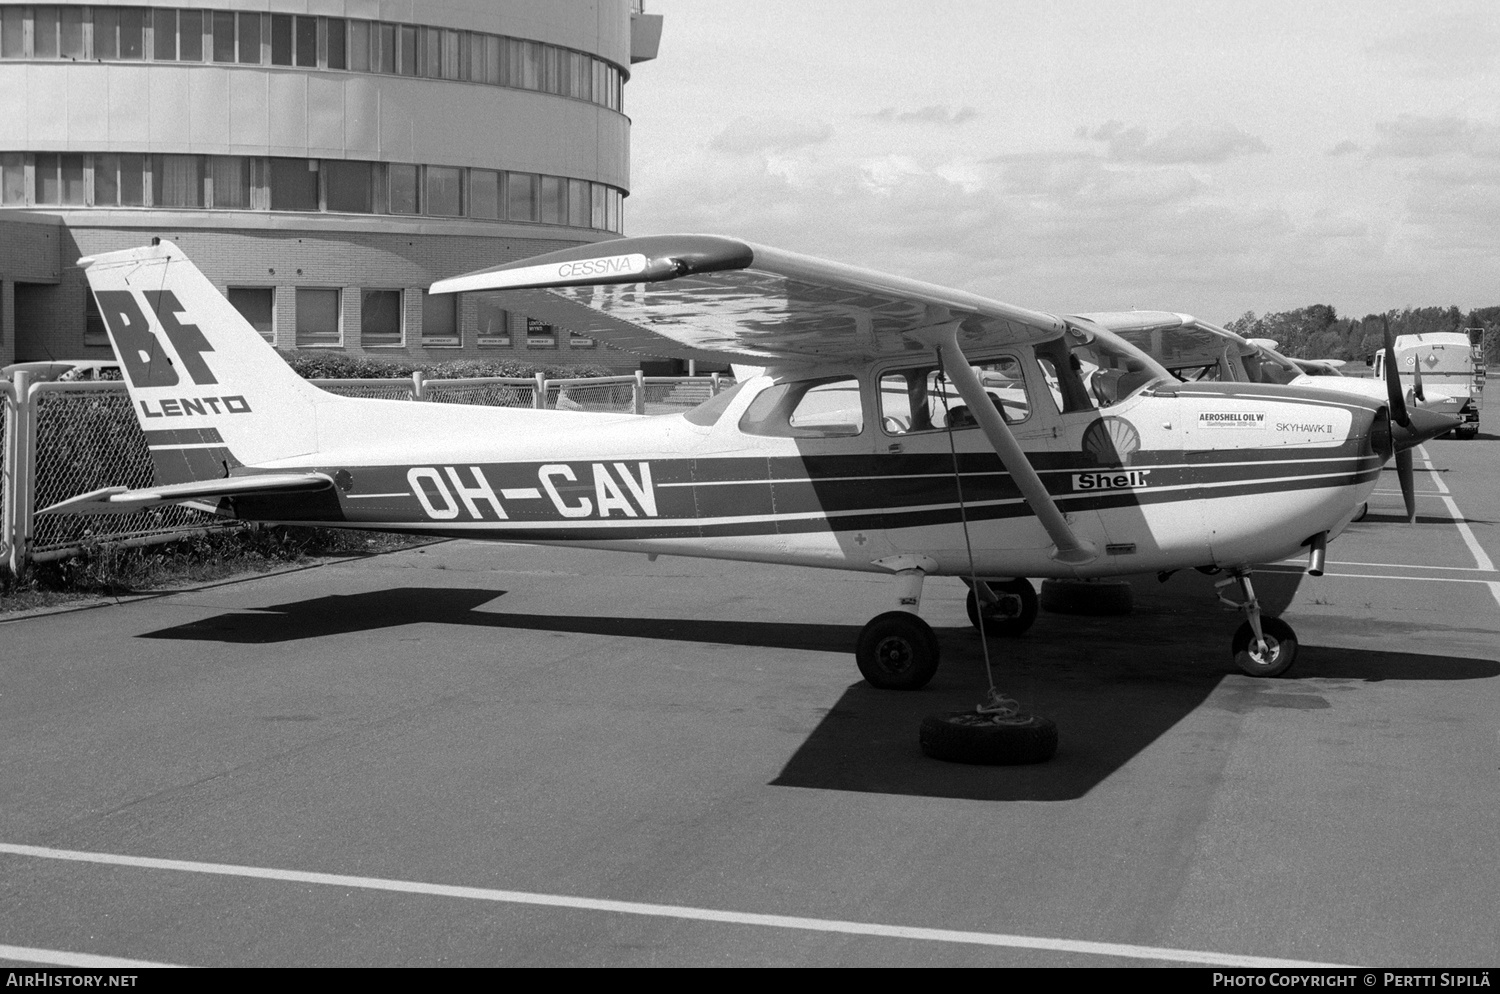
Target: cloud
1446, 45
753, 136
1344, 148
1417, 137
933, 114
1186, 143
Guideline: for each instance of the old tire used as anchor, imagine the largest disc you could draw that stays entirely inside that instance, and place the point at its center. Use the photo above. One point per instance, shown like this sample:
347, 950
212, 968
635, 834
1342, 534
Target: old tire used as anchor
1281, 648
988, 740
1012, 615
897, 651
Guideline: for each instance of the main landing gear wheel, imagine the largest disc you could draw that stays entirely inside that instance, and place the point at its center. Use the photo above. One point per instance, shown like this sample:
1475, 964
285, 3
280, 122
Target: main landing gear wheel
897, 651
989, 739
1279, 654
1012, 614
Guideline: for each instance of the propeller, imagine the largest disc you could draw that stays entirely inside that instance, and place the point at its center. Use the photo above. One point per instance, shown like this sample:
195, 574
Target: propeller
1393, 390
1408, 485
1416, 378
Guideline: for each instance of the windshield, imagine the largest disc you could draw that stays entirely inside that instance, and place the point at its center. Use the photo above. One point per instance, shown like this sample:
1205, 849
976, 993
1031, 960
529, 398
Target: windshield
1110, 368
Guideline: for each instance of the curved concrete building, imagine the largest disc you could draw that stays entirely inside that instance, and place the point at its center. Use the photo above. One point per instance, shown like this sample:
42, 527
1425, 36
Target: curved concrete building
322, 160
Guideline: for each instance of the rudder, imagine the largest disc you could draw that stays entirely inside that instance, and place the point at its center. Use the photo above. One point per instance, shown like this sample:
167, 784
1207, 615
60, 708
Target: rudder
209, 392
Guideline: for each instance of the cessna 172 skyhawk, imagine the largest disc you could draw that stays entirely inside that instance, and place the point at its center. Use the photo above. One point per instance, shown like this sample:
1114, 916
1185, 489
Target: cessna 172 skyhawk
1085, 459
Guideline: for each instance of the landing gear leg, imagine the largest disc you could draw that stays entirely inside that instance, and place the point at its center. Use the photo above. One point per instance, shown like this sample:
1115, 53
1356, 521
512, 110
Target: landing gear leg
1262, 647
898, 650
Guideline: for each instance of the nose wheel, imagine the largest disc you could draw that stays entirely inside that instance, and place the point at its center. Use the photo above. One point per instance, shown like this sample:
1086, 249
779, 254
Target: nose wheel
1010, 613
1263, 647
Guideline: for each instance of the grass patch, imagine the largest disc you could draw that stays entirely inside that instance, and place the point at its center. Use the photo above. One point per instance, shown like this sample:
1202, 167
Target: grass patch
111, 571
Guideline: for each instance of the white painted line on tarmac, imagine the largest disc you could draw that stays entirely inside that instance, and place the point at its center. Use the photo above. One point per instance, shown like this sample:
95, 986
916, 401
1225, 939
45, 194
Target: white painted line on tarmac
1495, 590
56, 957
1387, 576
1154, 953
1468, 536
1299, 561
1458, 518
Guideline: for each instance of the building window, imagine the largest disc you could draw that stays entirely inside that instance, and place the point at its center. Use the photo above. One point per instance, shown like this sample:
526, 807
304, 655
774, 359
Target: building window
132, 33
439, 320
578, 203
94, 333
257, 304
539, 335
59, 179
44, 32
164, 35
383, 48
12, 38
380, 318
521, 196
12, 179
359, 46
317, 317
223, 36
337, 44
70, 26
307, 42
492, 324
119, 181
350, 186
190, 36
230, 176
281, 39
484, 193
249, 40
403, 189
596, 212
444, 186
294, 184
177, 180
554, 207
406, 50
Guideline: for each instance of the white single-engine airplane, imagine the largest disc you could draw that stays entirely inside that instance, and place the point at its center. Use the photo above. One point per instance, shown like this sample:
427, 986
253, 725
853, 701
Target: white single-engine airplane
1079, 456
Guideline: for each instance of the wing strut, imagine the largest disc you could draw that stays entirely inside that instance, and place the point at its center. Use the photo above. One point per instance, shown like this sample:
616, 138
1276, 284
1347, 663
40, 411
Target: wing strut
1071, 548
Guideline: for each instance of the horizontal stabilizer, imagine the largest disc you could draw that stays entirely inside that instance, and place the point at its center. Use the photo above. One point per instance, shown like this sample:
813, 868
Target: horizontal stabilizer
119, 500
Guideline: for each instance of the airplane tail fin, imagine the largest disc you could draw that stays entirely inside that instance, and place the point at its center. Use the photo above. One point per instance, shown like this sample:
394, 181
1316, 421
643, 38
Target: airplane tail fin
210, 393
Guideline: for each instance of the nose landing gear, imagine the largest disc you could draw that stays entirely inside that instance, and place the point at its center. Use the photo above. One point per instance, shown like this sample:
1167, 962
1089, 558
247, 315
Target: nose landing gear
1263, 647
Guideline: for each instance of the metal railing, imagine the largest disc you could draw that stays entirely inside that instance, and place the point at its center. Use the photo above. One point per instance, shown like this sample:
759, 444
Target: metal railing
65, 439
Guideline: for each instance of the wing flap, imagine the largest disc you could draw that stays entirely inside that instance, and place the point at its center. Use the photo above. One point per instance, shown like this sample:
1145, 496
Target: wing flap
120, 500
706, 297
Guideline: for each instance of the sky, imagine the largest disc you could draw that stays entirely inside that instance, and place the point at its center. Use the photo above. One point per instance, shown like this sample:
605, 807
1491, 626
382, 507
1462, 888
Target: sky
1206, 157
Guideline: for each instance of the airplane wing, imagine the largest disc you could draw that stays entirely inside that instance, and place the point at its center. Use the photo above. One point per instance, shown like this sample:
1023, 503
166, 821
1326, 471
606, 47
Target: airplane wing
119, 500
720, 299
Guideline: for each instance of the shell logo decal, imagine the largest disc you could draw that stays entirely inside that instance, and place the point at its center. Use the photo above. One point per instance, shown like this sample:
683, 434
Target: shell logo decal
1111, 441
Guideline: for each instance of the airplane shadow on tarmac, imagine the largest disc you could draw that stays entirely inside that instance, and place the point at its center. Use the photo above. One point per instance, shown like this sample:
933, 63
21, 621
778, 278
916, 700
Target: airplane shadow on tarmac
1113, 684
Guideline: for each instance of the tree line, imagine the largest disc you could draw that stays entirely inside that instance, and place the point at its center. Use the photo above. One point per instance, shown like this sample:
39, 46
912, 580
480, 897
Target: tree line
1317, 332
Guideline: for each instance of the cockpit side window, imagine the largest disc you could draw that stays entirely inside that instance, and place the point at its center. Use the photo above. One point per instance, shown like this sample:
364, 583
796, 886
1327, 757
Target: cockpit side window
922, 399
823, 408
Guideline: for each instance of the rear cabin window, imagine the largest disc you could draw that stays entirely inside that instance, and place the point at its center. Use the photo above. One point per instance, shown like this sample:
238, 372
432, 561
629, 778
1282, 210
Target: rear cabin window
826, 408
922, 399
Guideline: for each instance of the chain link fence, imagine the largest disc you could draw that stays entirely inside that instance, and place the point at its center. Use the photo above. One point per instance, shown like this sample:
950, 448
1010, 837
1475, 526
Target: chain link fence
87, 438
66, 439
